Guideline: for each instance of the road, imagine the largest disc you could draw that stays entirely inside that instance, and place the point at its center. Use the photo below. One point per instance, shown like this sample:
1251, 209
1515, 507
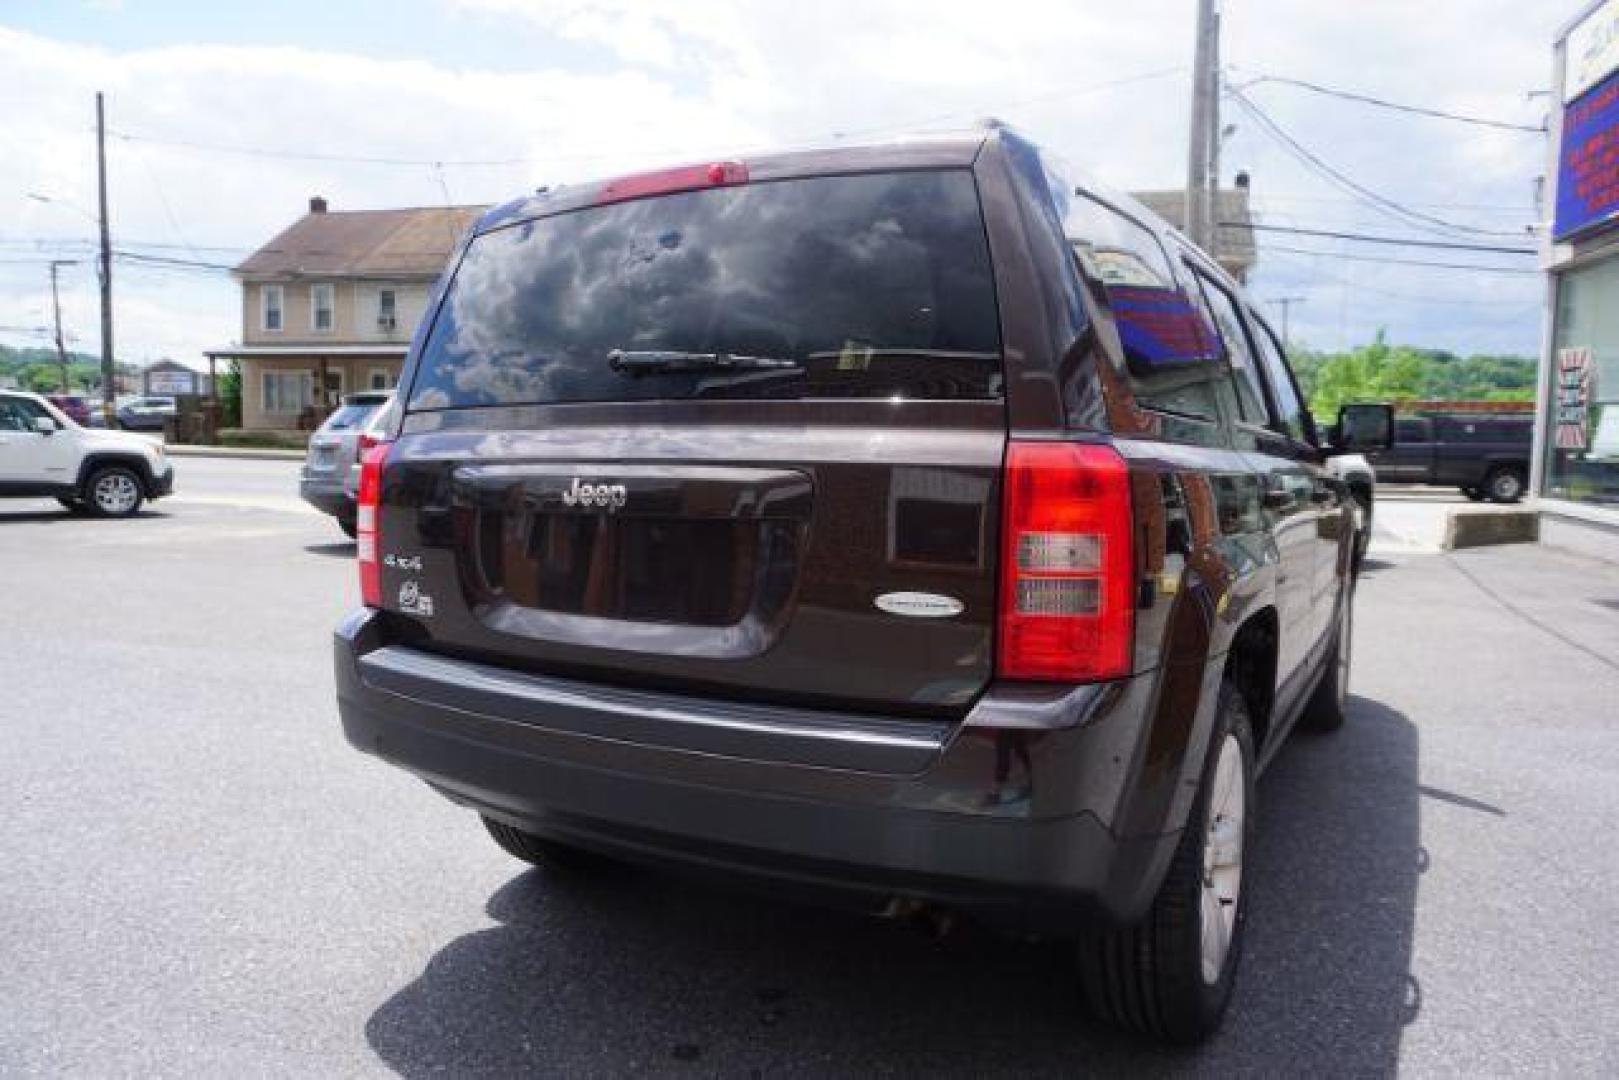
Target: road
202, 878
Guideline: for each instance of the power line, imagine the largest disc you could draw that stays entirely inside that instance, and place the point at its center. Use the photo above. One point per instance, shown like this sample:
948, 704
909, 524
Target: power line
1413, 298
68, 241
1417, 218
1367, 238
1382, 260
1382, 103
309, 155
164, 260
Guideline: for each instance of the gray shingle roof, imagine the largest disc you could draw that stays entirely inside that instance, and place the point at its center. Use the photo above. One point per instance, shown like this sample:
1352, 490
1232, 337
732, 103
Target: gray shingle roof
411, 242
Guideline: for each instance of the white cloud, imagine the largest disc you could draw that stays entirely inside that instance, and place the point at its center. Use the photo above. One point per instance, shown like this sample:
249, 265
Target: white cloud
654, 83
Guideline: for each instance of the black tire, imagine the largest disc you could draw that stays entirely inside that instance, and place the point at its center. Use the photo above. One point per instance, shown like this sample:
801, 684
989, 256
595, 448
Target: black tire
1474, 494
539, 850
113, 491
350, 527
1363, 538
1505, 485
1149, 978
1326, 708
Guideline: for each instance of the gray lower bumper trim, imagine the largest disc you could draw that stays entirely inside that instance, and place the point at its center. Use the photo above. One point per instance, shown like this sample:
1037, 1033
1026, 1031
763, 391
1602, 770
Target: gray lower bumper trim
759, 732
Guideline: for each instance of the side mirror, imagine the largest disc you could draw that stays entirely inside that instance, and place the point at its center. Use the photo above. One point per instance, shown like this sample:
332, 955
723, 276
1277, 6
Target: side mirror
44, 425
1365, 427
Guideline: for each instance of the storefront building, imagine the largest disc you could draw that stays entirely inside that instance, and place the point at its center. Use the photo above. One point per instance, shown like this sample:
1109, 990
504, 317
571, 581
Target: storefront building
1576, 468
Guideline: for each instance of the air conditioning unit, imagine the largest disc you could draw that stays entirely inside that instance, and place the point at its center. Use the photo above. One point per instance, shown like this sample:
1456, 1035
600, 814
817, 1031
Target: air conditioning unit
387, 322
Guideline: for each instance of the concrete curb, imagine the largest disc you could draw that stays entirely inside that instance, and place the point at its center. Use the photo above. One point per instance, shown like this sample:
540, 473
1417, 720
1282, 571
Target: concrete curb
1481, 526
243, 453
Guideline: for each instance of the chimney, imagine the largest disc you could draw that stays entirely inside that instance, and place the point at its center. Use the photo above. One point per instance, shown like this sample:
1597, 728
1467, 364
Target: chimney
317, 204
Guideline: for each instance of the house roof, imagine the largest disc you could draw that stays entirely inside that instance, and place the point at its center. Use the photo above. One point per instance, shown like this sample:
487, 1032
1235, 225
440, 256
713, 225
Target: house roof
1238, 252
409, 242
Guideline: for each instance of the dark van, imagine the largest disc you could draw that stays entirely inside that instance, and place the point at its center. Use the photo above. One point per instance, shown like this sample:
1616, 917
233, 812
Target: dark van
900, 521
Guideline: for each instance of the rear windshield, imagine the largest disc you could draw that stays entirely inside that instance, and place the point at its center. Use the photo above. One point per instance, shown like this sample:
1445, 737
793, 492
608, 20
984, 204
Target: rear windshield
352, 415
847, 286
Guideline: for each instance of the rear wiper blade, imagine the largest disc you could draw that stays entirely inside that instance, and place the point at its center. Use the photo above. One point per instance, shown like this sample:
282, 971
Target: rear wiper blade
660, 361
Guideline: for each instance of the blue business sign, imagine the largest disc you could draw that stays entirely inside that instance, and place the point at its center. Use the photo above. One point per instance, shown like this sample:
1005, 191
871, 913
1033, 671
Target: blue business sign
1588, 161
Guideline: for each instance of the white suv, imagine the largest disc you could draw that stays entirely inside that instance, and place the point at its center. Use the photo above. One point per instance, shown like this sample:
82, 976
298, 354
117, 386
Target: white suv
107, 473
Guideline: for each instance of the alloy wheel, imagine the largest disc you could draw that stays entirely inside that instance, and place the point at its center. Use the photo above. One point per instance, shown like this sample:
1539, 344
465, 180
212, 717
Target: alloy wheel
116, 493
1222, 859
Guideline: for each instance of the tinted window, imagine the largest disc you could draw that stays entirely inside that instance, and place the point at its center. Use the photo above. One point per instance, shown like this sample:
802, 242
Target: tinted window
872, 286
1238, 352
1290, 410
352, 415
1413, 429
1483, 430
17, 414
1169, 347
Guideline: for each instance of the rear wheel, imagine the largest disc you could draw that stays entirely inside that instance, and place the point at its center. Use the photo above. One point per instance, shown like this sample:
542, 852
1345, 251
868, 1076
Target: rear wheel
539, 850
1170, 976
113, 491
1505, 485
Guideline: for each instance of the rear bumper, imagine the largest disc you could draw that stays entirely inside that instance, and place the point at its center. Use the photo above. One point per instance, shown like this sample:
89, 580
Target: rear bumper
1006, 813
326, 494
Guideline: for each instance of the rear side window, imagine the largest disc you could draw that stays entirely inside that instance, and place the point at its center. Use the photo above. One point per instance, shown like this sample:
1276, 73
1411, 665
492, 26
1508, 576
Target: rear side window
1482, 430
1414, 429
847, 286
1290, 410
1238, 352
349, 416
1169, 348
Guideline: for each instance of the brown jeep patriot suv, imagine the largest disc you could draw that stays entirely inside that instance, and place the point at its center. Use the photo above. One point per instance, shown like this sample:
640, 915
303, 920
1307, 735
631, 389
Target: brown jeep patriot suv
901, 520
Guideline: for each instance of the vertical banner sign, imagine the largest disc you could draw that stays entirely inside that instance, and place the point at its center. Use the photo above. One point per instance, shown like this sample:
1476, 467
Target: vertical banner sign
1573, 397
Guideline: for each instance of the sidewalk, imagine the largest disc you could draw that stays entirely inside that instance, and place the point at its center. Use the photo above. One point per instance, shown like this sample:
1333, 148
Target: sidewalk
262, 453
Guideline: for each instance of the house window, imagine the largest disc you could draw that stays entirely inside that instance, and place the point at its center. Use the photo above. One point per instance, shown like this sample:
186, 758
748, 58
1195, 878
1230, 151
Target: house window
270, 307
387, 309
382, 379
287, 391
322, 303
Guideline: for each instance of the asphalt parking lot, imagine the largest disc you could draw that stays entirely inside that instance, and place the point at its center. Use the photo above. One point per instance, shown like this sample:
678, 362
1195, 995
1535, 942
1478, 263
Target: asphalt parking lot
201, 878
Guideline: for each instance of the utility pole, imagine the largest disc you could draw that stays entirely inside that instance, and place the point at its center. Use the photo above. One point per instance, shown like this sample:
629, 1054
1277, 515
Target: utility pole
108, 390
1286, 304
56, 310
1202, 171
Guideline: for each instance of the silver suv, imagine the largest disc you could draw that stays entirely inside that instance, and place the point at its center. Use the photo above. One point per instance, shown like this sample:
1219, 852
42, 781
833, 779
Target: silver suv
334, 453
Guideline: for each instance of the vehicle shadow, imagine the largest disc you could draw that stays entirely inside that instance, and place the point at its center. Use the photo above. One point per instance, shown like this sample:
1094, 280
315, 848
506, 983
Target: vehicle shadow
51, 517
641, 971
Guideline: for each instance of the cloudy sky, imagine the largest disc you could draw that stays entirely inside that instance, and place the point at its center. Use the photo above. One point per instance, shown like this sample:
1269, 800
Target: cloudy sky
227, 117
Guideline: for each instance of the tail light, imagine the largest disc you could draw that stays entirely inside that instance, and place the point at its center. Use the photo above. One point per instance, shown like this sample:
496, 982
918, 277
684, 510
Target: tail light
367, 534
366, 441
1067, 568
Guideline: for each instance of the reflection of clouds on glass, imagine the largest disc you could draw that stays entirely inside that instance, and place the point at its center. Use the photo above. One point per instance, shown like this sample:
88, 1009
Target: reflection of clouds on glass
786, 269
432, 398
